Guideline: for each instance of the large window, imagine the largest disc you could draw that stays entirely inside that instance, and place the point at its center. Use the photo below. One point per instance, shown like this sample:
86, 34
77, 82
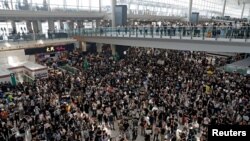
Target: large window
71, 4
233, 8
56, 4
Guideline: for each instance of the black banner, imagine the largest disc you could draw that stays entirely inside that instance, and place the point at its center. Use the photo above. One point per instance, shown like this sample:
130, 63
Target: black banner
49, 49
229, 132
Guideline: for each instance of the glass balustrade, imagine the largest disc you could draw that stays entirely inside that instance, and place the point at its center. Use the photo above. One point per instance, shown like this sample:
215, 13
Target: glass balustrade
222, 33
26, 37
226, 34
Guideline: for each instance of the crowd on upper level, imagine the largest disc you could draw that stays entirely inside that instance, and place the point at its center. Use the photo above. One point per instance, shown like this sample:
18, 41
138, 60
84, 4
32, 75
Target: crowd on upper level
236, 29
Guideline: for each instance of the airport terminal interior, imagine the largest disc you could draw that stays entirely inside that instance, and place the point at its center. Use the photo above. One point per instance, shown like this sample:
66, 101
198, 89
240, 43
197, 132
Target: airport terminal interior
123, 70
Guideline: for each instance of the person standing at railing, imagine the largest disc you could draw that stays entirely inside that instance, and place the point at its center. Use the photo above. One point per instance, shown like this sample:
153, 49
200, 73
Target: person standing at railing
173, 27
126, 29
161, 30
165, 29
157, 29
229, 29
222, 30
248, 30
151, 30
118, 29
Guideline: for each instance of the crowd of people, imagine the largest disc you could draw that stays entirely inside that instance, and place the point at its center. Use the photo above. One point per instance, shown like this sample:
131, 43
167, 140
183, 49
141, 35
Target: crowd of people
203, 29
156, 94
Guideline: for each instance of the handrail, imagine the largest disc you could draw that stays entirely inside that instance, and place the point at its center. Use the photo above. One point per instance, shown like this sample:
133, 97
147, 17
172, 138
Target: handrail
26, 37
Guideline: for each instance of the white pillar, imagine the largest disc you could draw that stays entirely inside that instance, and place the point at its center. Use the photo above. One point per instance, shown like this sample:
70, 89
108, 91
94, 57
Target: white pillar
113, 4
224, 7
64, 4
49, 5
89, 5
113, 49
128, 8
100, 6
83, 46
190, 10
243, 9
99, 47
77, 4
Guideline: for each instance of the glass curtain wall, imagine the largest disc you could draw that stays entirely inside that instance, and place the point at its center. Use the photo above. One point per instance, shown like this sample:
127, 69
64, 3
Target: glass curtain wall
206, 8
233, 8
56, 4
157, 7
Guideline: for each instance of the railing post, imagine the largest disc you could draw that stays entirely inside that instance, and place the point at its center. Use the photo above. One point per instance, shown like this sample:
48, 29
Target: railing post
245, 34
216, 35
144, 33
170, 33
116, 31
111, 34
129, 34
180, 32
230, 39
161, 32
191, 33
203, 33
152, 33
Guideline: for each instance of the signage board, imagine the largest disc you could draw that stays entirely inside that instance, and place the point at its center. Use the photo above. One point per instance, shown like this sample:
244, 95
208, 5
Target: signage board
50, 49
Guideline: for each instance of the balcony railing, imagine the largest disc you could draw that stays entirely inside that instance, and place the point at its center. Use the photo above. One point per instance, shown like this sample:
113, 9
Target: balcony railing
222, 33
25, 37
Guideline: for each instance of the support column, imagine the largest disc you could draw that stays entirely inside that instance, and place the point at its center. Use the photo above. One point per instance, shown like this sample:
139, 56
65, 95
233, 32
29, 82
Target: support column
79, 24
113, 4
99, 47
71, 25
190, 10
64, 4
51, 25
129, 8
29, 27
37, 26
13, 25
243, 9
100, 6
89, 5
224, 7
77, 4
61, 25
97, 23
83, 46
113, 49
